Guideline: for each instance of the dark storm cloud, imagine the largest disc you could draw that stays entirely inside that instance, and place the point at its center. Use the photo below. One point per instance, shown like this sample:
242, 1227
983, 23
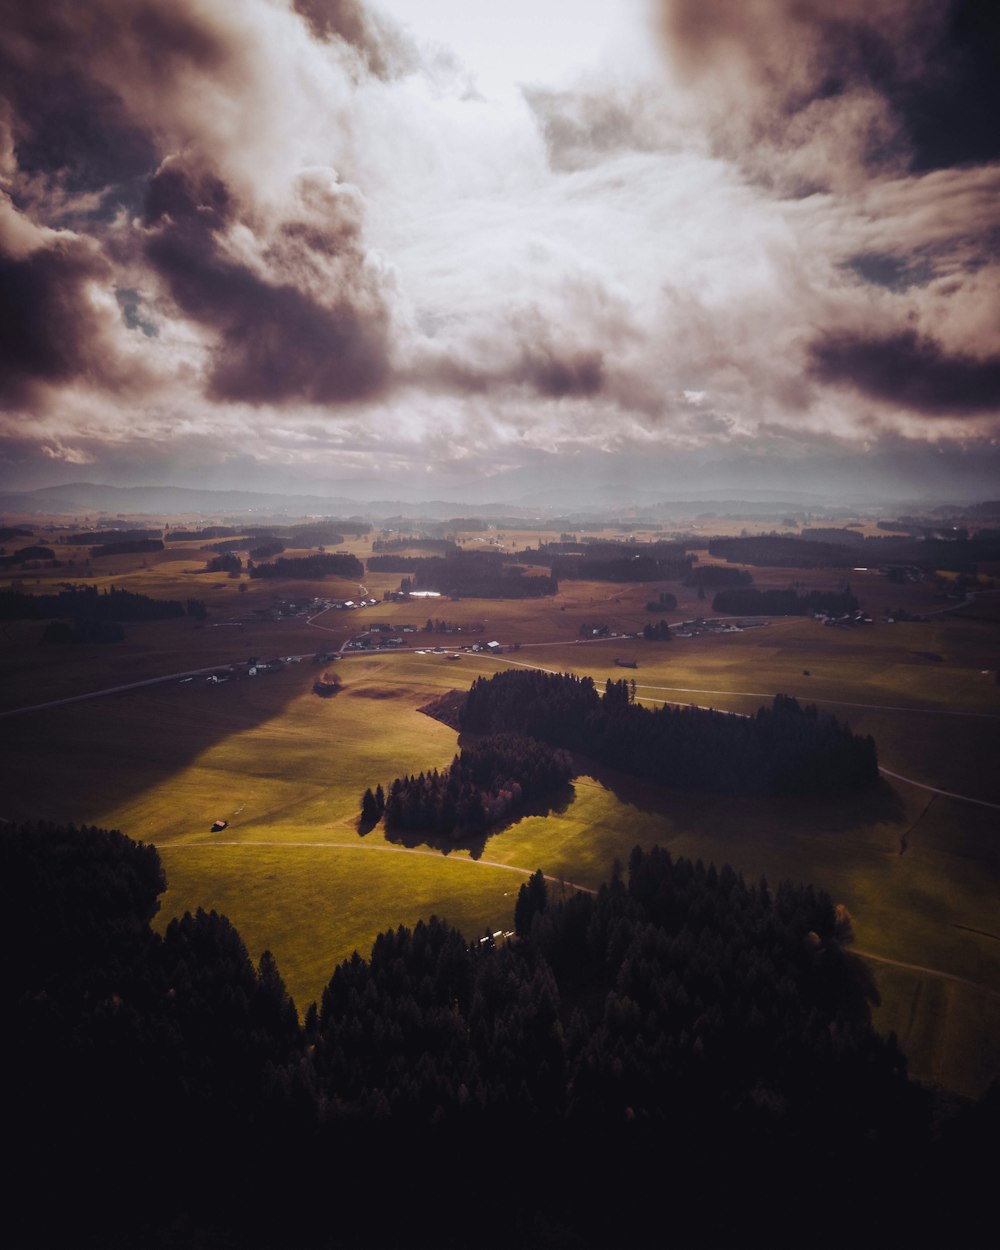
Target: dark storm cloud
549, 371
68, 121
274, 341
384, 49
916, 84
48, 330
910, 371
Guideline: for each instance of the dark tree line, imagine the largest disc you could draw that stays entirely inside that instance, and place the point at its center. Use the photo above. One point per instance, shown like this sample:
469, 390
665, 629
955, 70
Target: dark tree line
680, 1025
140, 546
79, 603
782, 551
962, 554
441, 546
27, 553
472, 574
102, 536
487, 784
314, 567
782, 749
710, 576
748, 601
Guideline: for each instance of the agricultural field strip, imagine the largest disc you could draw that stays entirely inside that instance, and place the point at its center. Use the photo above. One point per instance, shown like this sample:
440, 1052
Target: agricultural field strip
527, 872
361, 846
965, 798
934, 972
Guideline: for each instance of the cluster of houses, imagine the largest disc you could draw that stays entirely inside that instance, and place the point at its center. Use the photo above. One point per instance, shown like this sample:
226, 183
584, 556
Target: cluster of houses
847, 620
253, 667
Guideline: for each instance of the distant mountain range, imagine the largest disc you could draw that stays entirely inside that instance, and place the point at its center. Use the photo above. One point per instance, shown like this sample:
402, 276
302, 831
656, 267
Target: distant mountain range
87, 498
82, 500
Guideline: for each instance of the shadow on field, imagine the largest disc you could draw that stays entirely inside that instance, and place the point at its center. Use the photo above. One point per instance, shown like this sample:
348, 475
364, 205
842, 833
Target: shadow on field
830, 812
80, 760
553, 804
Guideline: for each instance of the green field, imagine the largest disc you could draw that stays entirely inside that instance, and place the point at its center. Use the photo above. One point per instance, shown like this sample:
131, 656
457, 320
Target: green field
919, 873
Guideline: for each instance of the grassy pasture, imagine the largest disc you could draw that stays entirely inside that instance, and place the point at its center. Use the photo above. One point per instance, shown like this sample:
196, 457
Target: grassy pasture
287, 769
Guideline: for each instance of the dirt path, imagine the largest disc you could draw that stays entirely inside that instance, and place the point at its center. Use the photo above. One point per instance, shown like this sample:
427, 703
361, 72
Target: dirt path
527, 872
376, 846
929, 972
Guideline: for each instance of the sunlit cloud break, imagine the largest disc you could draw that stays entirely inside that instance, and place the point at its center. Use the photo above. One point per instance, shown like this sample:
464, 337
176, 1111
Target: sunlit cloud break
333, 239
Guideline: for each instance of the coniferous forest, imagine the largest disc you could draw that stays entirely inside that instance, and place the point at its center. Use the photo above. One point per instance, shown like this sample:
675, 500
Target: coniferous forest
683, 1058
781, 749
488, 783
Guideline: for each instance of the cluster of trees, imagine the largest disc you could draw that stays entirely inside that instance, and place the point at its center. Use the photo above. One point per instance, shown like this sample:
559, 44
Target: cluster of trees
136, 547
27, 553
442, 546
469, 574
782, 749
61, 633
228, 563
958, 554
782, 551
486, 785
88, 603
681, 1023
207, 531
7, 532
438, 626
612, 562
660, 632
312, 568
747, 601
710, 576
101, 536
665, 602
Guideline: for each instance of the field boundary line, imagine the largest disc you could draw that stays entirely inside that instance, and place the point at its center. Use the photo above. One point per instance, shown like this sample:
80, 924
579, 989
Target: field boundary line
932, 972
362, 846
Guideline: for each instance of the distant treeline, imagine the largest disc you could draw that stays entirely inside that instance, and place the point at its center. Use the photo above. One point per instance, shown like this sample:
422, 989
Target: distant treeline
611, 562
306, 534
102, 537
271, 544
140, 547
708, 576
782, 552
681, 1022
956, 555
81, 603
833, 534
7, 532
487, 784
443, 546
472, 574
26, 554
783, 749
312, 568
747, 601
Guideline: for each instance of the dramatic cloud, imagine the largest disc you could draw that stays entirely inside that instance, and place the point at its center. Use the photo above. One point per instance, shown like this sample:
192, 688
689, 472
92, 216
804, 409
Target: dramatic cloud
910, 371
305, 238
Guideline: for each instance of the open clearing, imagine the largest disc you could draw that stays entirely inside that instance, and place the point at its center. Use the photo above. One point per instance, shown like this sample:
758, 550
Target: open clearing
919, 872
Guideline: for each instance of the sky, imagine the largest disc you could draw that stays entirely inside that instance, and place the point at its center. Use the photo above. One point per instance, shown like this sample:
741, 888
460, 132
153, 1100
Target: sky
560, 250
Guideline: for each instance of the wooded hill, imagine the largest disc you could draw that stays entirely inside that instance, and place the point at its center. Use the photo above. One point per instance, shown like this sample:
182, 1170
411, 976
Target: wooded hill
606, 1079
